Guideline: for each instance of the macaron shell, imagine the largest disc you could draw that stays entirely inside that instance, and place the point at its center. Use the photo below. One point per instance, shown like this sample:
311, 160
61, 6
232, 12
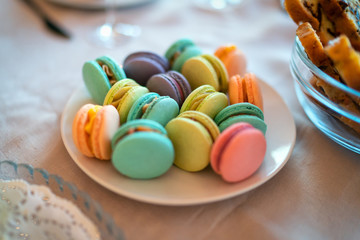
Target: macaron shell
244, 108
162, 85
189, 52
198, 71
162, 110
245, 89
96, 81
105, 124
235, 63
254, 94
182, 82
128, 100
204, 120
192, 144
236, 94
115, 68
177, 47
128, 126
220, 69
238, 152
140, 66
213, 104
155, 158
136, 110
254, 121
80, 137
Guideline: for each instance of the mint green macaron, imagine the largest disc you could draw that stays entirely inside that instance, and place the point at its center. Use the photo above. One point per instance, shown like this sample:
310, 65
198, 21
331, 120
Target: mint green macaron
142, 150
155, 107
241, 112
99, 75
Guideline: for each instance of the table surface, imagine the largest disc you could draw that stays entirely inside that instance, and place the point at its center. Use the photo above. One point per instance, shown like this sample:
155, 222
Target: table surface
315, 196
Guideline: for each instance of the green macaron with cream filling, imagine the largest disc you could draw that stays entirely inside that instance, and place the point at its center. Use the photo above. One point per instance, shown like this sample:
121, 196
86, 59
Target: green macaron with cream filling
99, 75
155, 107
241, 112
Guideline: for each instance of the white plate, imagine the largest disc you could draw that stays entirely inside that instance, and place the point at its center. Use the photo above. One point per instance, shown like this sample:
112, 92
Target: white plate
99, 4
178, 187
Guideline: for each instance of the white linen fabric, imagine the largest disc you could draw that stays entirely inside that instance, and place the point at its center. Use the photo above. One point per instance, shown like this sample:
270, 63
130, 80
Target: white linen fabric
315, 196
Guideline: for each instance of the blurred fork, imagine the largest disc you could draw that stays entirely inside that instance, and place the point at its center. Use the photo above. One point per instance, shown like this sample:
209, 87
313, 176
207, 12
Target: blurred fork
50, 24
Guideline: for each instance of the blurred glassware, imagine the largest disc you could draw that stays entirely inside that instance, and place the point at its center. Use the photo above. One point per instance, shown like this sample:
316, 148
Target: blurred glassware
113, 33
41, 180
217, 5
334, 119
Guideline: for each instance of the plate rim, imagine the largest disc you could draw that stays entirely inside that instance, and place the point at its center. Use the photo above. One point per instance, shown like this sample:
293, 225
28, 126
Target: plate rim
183, 202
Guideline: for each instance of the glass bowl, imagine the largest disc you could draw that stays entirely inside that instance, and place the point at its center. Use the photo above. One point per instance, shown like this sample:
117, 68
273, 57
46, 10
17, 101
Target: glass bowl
65, 195
333, 119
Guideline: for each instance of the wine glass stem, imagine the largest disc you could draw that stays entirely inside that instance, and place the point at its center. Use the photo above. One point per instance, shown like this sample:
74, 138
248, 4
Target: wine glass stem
110, 12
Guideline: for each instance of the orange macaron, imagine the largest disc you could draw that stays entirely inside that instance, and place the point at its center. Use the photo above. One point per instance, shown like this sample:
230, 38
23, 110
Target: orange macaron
92, 130
245, 89
233, 59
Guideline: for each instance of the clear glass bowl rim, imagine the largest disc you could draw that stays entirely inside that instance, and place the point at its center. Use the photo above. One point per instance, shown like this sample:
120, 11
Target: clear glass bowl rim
318, 72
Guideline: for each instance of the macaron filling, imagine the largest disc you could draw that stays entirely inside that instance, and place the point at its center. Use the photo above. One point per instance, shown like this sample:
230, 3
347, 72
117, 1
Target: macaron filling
89, 125
197, 100
110, 75
177, 87
137, 129
147, 105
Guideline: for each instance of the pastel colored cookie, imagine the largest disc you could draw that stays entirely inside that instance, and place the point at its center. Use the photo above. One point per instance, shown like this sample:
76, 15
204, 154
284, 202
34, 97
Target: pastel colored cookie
238, 152
155, 107
123, 95
206, 69
172, 84
140, 66
205, 99
99, 75
180, 51
245, 89
93, 128
192, 134
233, 58
142, 150
241, 112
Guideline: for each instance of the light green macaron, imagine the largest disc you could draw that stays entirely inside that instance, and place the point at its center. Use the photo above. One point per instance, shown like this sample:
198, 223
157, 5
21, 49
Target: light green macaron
206, 69
192, 134
122, 95
205, 99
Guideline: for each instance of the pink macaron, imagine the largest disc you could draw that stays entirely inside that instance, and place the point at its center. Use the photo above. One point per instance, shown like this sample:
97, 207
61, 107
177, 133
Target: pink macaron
238, 152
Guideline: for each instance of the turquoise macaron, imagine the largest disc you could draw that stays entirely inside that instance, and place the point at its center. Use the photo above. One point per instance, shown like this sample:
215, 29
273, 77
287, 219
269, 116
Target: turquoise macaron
99, 75
241, 112
180, 51
155, 107
142, 150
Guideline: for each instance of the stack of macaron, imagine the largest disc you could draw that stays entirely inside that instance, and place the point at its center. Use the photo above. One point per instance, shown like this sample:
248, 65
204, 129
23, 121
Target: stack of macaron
184, 108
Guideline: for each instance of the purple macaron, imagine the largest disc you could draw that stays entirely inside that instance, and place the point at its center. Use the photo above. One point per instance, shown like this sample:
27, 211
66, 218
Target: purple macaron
140, 66
172, 84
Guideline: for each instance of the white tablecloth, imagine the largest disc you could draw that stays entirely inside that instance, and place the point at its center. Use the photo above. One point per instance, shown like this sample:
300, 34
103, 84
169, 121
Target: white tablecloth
315, 196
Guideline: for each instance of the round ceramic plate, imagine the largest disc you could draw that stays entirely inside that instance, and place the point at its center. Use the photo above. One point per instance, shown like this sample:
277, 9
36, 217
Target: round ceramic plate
178, 187
99, 4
